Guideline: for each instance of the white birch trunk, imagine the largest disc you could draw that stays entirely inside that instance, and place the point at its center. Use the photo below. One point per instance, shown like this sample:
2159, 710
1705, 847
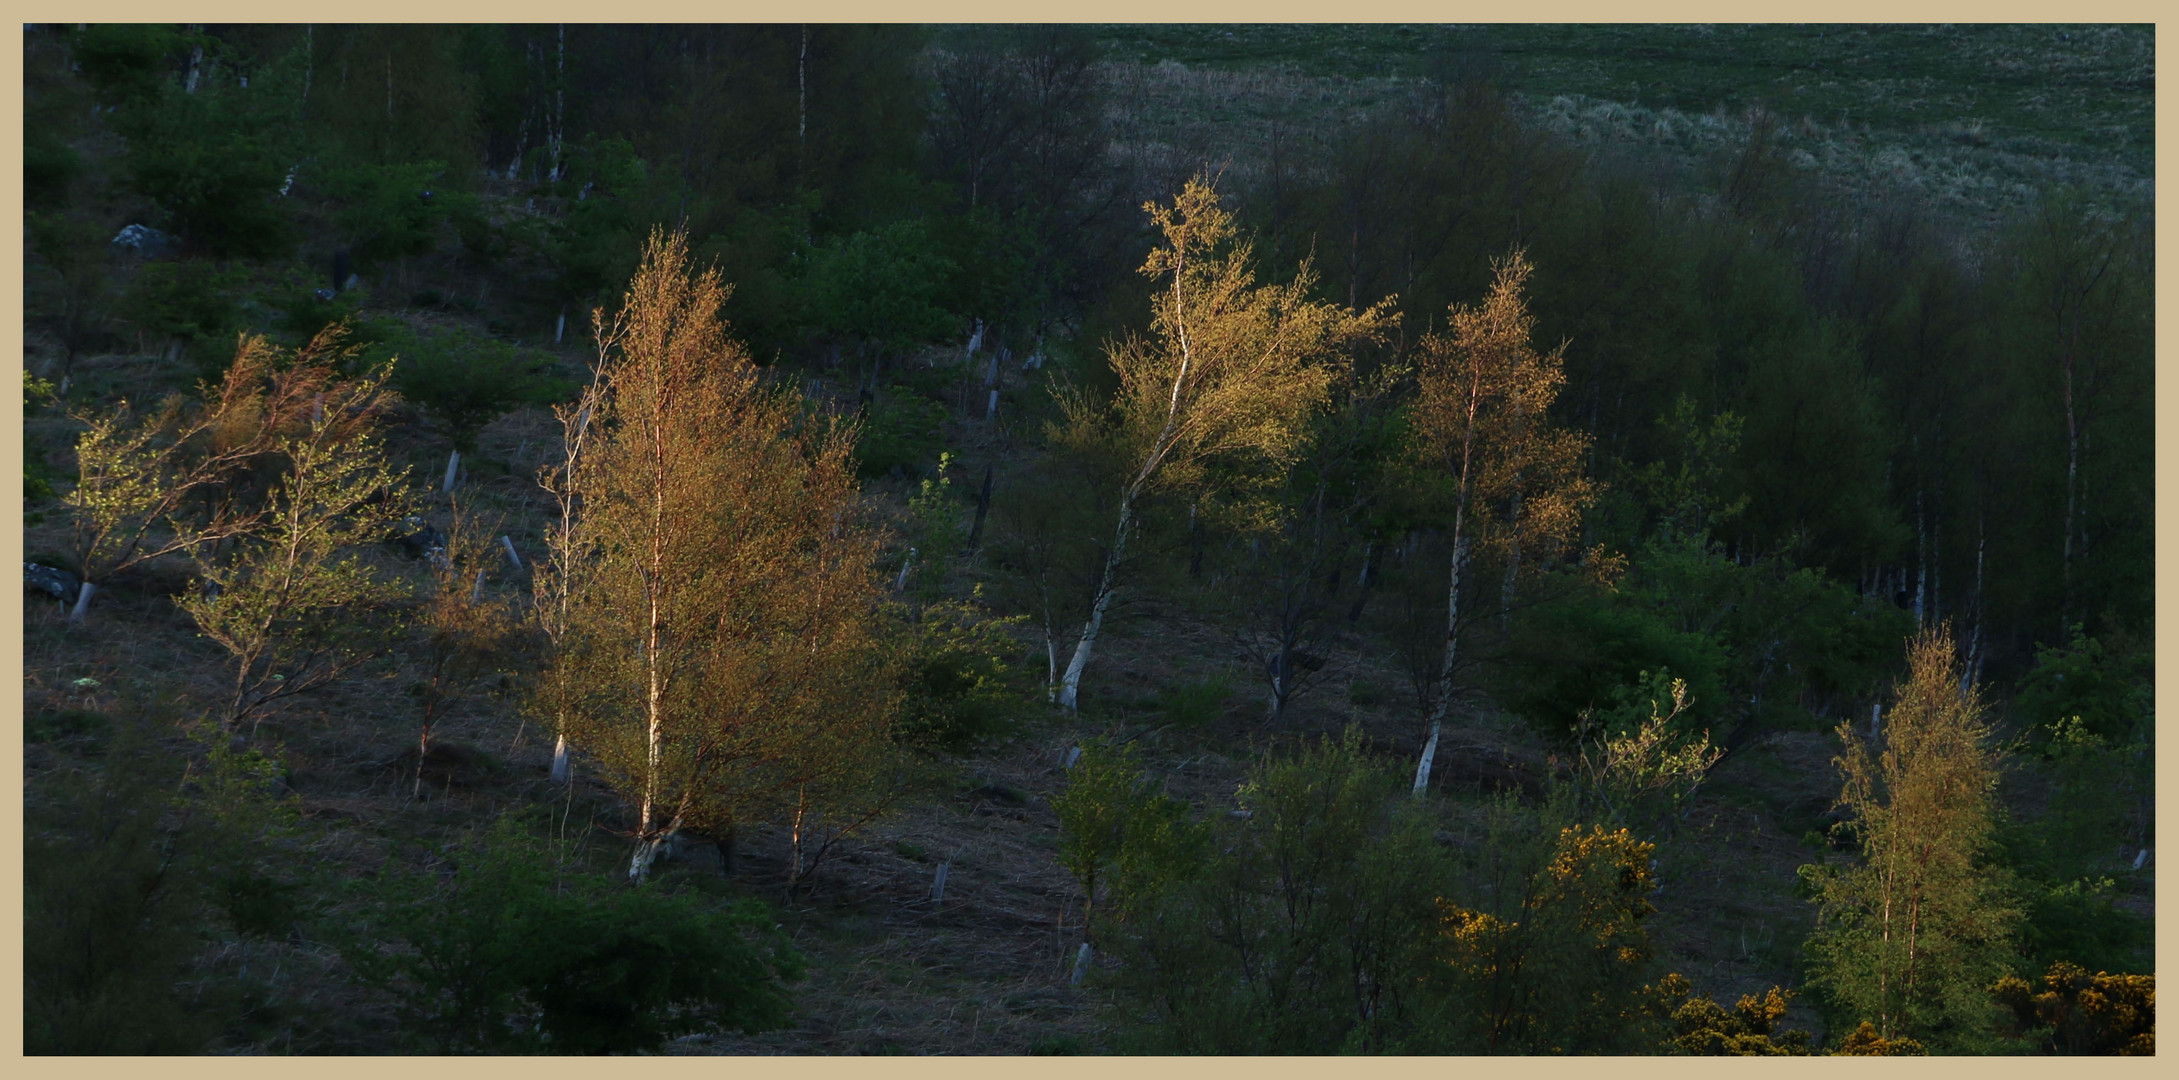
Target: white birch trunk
453, 467
1429, 757
508, 543
1443, 704
83, 602
1106, 586
559, 773
1051, 665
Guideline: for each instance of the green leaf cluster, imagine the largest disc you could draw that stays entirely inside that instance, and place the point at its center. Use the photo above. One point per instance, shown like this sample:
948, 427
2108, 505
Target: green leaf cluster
498, 952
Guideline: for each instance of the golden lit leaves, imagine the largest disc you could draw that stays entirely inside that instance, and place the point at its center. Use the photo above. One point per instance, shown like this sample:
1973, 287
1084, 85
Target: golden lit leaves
1866, 1041
290, 601
2086, 1014
1912, 936
1230, 366
180, 476
716, 650
1481, 413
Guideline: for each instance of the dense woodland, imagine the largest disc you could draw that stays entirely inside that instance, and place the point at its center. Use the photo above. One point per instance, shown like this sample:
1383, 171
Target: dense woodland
885, 539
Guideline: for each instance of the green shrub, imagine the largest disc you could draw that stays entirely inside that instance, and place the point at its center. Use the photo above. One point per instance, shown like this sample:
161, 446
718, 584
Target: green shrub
956, 686
124, 62
116, 876
1572, 655
2107, 692
881, 288
382, 212
38, 476
640, 967
67, 723
260, 905
194, 303
1304, 927
1113, 823
302, 312
50, 168
2076, 921
936, 514
461, 380
216, 160
902, 431
1366, 693
1196, 703
499, 955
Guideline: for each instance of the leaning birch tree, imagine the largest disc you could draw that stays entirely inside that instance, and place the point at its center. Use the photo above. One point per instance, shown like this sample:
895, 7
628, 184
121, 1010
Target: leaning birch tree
1230, 367
717, 655
294, 602
1482, 416
187, 474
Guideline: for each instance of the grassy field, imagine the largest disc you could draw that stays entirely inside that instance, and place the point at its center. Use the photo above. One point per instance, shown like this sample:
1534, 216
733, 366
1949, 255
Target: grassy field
1975, 117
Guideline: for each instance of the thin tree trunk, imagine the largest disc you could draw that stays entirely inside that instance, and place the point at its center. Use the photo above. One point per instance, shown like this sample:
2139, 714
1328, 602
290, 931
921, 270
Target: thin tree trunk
1195, 540
559, 107
1914, 929
654, 586
802, 103
1974, 641
423, 750
1106, 586
1883, 968
2073, 463
1365, 583
647, 845
83, 603
1513, 556
1936, 553
1444, 696
794, 836
453, 467
1051, 663
983, 506
1921, 562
